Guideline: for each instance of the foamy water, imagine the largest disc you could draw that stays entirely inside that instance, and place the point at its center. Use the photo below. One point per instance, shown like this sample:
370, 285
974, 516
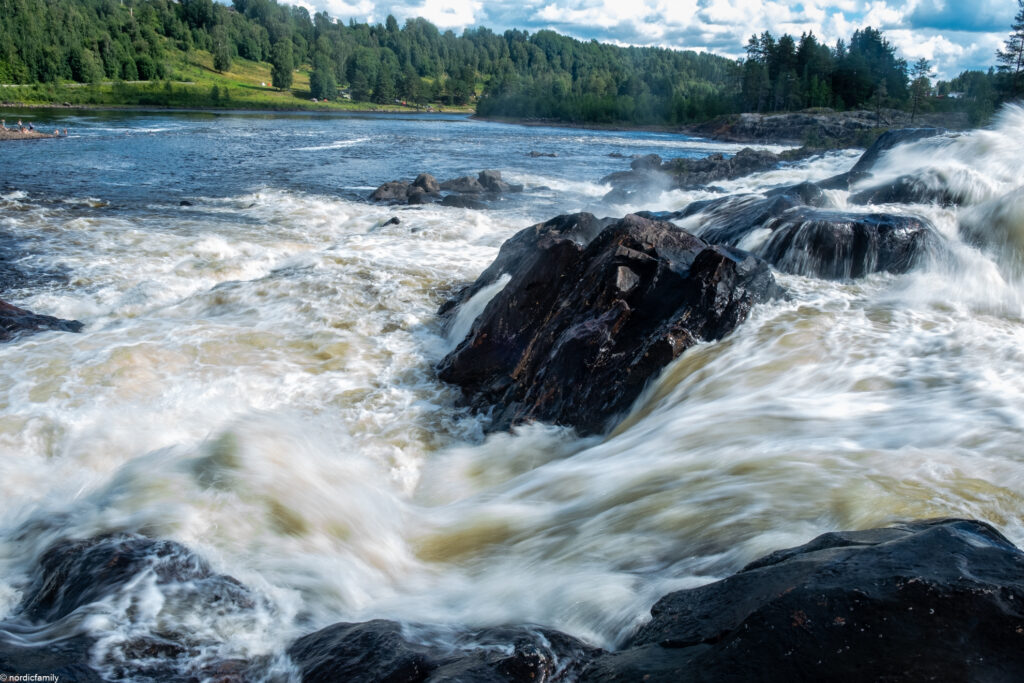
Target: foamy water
255, 381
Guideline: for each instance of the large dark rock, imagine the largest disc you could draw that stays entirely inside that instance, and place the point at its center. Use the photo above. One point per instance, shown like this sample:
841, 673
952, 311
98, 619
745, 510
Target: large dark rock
838, 245
929, 187
459, 201
806, 240
16, 321
492, 182
392, 191
380, 651
582, 326
76, 573
867, 161
464, 185
887, 141
427, 183
939, 600
76, 578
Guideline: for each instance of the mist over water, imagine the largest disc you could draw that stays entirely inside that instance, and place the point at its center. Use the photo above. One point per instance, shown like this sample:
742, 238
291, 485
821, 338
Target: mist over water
256, 381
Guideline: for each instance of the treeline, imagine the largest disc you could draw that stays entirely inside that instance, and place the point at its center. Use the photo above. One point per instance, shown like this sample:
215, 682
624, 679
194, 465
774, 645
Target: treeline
521, 75
47, 41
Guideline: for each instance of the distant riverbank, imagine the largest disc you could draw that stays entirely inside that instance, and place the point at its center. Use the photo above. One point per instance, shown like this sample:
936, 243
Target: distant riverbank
814, 128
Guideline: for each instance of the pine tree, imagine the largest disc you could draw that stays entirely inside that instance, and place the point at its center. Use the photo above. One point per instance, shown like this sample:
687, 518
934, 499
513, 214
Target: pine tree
1011, 60
920, 85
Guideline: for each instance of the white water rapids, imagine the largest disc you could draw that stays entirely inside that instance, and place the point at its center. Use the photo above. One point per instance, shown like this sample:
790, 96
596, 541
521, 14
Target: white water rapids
256, 381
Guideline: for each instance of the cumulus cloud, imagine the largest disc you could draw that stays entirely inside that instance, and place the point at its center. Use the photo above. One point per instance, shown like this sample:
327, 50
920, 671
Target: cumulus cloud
953, 34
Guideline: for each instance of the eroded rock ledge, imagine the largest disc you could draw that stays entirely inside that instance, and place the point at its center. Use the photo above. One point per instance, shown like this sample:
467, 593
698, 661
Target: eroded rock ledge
593, 310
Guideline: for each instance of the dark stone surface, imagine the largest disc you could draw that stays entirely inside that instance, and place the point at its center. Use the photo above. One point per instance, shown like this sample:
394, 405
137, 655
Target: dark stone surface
492, 182
462, 202
888, 140
16, 321
379, 651
937, 600
76, 573
427, 183
816, 242
392, 191
73, 578
584, 324
464, 185
867, 161
838, 245
930, 187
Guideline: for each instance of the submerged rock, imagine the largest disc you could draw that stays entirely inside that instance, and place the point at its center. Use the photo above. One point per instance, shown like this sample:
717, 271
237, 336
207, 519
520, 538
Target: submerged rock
867, 161
787, 229
586, 320
922, 601
16, 321
76, 579
380, 651
838, 245
930, 187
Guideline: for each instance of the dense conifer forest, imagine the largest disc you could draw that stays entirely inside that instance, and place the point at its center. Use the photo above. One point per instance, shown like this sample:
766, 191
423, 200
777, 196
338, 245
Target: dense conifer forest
514, 74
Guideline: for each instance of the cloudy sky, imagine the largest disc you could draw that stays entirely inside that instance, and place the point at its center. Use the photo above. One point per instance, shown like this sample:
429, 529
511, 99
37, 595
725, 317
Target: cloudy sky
953, 34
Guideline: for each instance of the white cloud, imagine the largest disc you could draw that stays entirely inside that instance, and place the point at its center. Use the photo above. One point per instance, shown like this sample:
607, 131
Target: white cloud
954, 34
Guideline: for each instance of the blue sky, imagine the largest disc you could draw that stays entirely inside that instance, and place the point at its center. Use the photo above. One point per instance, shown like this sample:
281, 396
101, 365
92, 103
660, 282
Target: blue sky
953, 34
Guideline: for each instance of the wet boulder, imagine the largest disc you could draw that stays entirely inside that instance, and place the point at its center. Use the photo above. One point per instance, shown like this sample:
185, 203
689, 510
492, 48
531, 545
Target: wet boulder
464, 185
582, 326
492, 182
392, 191
889, 140
77, 578
76, 573
15, 322
382, 651
427, 183
462, 202
839, 245
728, 220
869, 159
930, 187
921, 601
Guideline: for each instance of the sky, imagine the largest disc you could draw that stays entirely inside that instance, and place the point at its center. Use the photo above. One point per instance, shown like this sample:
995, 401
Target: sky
953, 35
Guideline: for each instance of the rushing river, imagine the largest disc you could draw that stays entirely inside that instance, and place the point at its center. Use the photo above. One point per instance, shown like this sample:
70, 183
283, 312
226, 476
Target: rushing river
255, 380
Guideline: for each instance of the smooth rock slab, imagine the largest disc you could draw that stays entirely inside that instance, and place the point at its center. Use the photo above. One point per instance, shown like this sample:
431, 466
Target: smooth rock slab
937, 600
585, 321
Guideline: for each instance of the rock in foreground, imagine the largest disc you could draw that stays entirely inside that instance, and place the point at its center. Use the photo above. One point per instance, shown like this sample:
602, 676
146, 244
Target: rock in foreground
583, 324
379, 651
939, 600
16, 321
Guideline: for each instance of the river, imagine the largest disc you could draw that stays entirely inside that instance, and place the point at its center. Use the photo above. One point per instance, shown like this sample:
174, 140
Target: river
255, 380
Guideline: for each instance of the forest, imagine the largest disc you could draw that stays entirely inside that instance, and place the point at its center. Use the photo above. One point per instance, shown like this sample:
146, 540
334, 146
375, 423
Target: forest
543, 75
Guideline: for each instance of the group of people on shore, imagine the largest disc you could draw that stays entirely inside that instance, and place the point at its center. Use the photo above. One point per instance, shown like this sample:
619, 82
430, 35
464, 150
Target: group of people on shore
29, 128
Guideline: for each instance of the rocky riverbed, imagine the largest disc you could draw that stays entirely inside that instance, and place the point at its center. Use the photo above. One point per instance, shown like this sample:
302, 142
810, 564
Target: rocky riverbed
611, 455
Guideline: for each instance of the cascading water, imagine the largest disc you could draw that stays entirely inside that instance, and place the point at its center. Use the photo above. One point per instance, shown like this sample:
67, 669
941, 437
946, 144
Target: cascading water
256, 382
